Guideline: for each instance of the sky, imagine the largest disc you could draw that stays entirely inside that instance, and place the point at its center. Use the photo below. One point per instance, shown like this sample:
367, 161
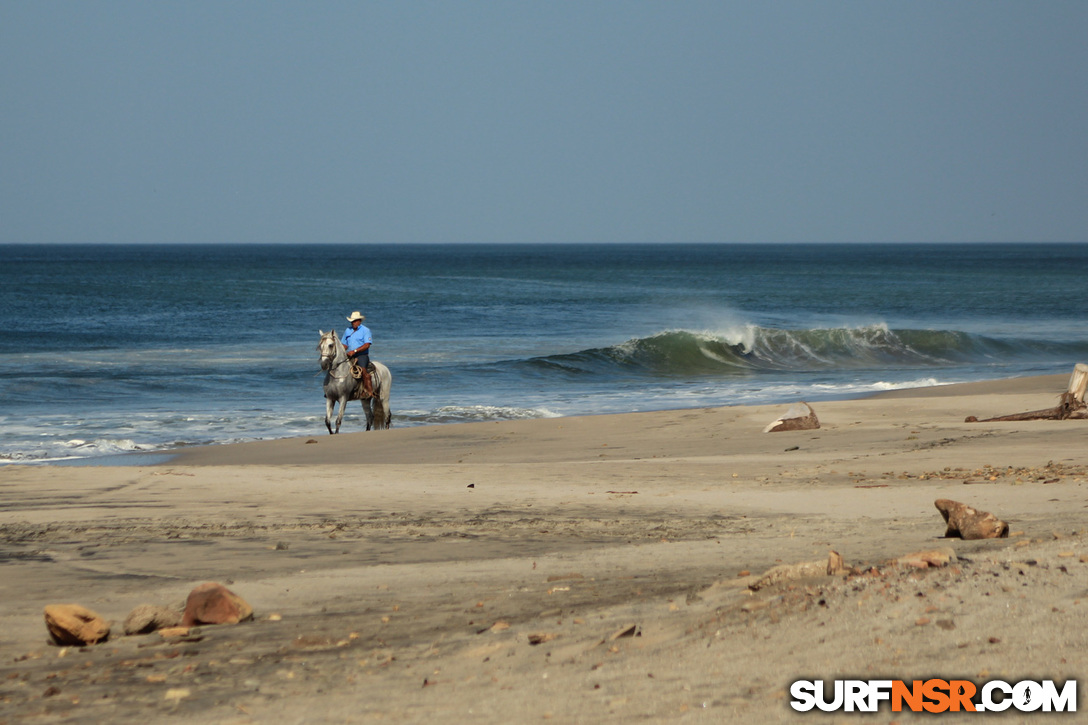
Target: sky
558, 121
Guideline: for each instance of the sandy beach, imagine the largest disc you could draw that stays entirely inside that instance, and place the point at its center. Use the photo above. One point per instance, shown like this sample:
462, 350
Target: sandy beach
581, 569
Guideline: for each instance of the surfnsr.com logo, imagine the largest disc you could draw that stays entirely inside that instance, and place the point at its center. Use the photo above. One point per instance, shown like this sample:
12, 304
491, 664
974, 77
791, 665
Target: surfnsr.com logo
934, 695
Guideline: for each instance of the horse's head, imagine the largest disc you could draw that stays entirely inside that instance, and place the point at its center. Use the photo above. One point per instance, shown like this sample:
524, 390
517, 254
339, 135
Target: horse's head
329, 347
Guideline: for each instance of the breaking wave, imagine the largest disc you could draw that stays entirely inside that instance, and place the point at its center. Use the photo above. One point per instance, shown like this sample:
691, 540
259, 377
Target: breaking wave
752, 348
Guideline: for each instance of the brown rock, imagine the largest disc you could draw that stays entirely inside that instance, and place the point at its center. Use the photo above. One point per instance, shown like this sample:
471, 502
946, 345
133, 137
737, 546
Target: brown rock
213, 603
966, 523
72, 624
835, 563
150, 618
800, 416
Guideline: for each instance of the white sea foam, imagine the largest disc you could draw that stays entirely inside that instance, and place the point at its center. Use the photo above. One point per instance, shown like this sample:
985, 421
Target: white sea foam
104, 446
742, 335
469, 413
920, 383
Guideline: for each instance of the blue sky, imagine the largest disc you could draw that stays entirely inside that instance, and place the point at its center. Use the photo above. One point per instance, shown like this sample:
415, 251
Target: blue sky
671, 121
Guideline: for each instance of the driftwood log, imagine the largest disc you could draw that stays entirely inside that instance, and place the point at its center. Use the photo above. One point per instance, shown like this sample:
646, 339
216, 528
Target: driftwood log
831, 566
800, 416
1070, 405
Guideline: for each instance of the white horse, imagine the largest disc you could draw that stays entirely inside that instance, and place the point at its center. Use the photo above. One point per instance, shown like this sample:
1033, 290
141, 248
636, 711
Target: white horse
341, 387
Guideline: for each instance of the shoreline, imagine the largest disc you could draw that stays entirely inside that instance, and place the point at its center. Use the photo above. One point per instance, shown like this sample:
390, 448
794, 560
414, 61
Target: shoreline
167, 455
1036, 390
480, 570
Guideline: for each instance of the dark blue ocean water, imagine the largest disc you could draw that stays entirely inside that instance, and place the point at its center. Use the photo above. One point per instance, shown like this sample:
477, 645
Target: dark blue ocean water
114, 348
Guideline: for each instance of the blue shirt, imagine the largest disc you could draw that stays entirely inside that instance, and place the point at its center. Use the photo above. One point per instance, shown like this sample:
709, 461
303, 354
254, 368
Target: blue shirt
356, 338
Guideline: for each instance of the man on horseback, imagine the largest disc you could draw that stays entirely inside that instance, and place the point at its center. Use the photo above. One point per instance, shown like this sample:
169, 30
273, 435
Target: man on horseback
356, 341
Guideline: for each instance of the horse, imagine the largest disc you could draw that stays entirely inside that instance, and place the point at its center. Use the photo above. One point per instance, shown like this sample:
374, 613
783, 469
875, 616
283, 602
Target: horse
341, 387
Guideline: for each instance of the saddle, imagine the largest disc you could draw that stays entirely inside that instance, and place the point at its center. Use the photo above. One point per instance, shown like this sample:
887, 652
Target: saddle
357, 373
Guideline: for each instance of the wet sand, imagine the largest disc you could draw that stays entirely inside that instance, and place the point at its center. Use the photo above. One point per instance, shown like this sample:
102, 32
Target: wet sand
581, 569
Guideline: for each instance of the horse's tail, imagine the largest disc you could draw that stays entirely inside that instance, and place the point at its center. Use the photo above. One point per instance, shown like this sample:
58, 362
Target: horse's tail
383, 413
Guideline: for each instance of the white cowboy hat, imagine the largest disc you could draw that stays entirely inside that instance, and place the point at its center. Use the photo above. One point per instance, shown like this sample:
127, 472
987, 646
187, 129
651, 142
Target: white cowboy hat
356, 316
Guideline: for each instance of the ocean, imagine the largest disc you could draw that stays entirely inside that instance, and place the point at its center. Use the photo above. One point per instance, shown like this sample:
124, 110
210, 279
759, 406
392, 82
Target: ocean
108, 349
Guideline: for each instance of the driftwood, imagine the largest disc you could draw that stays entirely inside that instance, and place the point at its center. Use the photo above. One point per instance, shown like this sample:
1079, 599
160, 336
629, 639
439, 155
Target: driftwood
1071, 404
928, 559
800, 416
830, 566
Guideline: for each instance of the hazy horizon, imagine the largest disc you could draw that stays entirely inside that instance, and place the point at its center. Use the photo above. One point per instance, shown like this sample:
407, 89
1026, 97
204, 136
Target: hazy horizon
597, 122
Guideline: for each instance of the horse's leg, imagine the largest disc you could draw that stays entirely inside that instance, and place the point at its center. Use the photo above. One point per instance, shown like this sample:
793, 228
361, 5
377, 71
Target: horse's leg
340, 414
368, 411
378, 414
328, 414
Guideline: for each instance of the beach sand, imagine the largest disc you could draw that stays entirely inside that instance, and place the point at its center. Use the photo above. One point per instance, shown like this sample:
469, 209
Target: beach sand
582, 569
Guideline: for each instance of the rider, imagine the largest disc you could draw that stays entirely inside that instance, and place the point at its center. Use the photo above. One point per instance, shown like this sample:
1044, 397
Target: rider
356, 340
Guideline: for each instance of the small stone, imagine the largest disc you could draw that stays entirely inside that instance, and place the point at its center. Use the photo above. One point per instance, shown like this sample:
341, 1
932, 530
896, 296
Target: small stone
150, 618
213, 603
72, 624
